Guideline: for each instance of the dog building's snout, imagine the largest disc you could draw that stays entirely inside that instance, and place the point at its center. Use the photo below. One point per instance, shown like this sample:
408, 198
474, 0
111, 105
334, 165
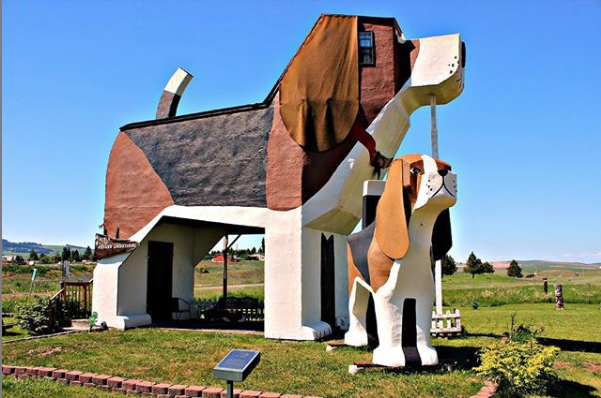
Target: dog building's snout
443, 172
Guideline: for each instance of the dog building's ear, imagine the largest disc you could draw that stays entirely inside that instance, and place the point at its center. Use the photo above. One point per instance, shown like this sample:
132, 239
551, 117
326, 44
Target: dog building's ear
442, 240
319, 91
391, 222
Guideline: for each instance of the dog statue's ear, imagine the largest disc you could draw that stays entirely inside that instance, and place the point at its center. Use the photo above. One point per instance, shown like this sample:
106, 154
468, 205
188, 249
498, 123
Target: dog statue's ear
391, 222
442, 240
319, 91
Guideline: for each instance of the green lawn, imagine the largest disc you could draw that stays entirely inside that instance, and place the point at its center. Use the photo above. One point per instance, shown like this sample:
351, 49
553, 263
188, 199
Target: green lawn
188, 357
304, 367
243, 273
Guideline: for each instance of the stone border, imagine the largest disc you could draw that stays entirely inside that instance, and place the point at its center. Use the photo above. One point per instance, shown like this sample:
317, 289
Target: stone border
132, 386
487, 391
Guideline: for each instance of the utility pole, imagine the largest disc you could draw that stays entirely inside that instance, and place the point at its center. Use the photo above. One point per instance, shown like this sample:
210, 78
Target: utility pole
438, 265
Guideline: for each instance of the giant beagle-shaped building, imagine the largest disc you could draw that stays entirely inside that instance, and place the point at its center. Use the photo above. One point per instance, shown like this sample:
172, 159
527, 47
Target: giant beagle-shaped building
291, 167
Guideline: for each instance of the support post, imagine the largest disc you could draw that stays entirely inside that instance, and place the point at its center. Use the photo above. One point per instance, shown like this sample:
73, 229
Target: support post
225, 252
438, 284
434, 128
558, 297
230, 389
434, 138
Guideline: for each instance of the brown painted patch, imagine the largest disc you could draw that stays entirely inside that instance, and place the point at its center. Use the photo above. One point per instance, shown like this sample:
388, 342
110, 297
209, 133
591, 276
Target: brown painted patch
134, 192
319, 92
285, 162
293, 175
377, 82
379, 266
391, 222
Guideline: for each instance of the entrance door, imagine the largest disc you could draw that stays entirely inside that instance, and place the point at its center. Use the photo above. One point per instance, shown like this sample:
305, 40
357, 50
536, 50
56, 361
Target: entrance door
160, 280
328, 294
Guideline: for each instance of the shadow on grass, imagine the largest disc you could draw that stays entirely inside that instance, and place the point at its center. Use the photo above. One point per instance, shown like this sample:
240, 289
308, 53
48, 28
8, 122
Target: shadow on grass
572, 345
563, 344
464, 358
571, 389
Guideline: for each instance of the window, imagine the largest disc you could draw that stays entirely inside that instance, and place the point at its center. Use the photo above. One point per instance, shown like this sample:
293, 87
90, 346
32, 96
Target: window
366, 48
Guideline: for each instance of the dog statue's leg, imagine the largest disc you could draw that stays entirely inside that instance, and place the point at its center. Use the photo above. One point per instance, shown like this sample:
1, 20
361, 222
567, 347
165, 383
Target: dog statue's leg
358, 301
424, 305
389, 312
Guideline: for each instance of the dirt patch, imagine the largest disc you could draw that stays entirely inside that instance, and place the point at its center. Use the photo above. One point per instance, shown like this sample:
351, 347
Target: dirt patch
563, 365
593, 367
47, 352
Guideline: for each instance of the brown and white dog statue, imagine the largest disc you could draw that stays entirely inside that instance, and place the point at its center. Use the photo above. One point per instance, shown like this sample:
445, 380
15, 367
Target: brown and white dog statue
391, 287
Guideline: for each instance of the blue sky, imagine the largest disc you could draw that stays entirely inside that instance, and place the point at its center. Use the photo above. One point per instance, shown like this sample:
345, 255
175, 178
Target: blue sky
524, 137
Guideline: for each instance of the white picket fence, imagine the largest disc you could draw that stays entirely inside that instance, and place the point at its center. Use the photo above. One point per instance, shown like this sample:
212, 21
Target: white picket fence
447, 324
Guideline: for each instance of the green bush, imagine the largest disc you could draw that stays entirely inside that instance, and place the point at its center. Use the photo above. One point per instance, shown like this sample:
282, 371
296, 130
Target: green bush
518, 368
34, 317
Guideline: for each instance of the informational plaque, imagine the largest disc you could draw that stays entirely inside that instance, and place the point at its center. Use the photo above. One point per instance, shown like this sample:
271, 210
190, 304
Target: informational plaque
105, 246
236, 365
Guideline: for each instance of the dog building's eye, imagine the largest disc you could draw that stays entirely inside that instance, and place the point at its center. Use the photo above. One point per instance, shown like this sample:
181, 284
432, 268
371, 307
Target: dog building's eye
415, 170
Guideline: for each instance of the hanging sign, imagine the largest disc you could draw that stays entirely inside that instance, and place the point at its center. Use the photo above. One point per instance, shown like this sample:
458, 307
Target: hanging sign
105, 246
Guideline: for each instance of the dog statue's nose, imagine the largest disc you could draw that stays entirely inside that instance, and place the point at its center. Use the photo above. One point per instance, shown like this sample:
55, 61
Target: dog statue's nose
443, 172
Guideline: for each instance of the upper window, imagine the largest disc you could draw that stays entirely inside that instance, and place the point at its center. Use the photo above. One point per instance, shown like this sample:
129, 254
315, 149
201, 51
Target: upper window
366, 48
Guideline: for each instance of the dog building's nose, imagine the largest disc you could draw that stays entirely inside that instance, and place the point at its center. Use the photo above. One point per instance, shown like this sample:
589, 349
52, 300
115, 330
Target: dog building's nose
443, 172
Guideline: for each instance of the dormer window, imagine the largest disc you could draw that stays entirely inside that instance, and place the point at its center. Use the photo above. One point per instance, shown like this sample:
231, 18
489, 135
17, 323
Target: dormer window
366, 48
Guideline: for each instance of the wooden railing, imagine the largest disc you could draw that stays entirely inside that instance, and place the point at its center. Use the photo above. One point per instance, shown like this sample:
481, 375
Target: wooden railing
74, 296
249, 308
447, 324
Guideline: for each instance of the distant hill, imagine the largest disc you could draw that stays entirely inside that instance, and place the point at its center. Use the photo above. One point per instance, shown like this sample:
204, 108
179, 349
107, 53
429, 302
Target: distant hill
24, 248
558, 264
543, 264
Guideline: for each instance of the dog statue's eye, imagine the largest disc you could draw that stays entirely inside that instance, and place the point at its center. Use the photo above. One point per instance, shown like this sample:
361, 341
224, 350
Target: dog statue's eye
416, 170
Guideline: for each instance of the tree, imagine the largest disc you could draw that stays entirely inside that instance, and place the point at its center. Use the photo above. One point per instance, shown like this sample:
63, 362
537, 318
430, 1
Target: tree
57, 258
33, 256
44, 259
19, 259
66, 255
473, 265
514, 269
75, 256
262, 248
487, 268
87, 254
448, 265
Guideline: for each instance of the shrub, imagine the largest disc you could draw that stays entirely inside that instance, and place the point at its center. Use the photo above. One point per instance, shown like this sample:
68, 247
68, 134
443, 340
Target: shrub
514, 270
475, 305
33, 316
518, 368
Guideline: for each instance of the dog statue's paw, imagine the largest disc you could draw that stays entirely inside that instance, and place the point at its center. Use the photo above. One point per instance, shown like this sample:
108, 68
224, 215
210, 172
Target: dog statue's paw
389, 356
355, 338
428, 355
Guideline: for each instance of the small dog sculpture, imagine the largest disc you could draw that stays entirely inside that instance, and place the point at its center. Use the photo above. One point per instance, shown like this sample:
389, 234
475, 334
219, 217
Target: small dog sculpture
390, 263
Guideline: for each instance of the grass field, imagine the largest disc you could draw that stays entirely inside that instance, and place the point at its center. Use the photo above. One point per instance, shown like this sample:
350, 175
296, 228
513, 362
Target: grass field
304, 367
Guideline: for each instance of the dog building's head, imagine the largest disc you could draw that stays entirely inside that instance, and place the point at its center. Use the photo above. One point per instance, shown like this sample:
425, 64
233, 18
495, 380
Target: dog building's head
349, 67
416, 184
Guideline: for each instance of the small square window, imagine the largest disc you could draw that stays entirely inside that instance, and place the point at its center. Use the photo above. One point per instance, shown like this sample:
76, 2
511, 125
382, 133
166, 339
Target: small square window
366, 48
